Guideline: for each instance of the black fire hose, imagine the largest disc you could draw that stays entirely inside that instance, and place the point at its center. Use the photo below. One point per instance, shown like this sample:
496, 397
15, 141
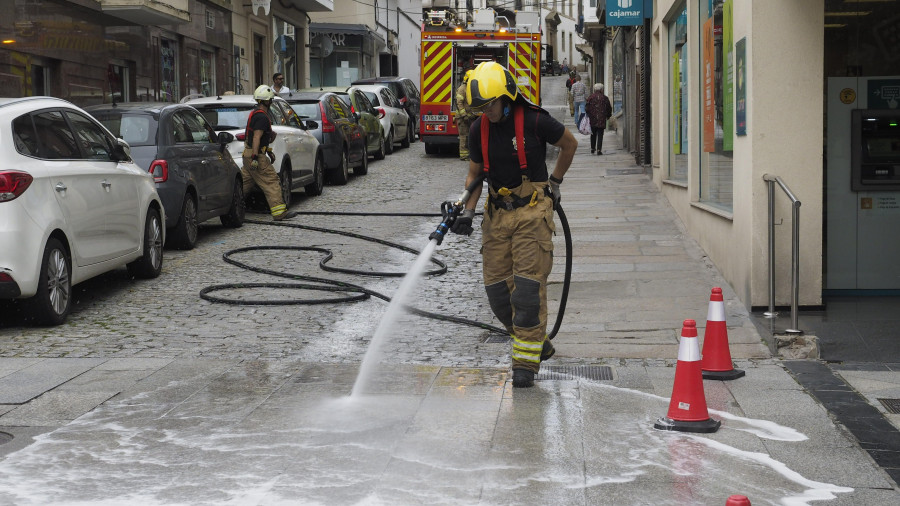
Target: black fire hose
356, 292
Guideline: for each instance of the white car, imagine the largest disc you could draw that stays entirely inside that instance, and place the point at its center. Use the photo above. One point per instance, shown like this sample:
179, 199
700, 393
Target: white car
299, 161
73, 206
395, 119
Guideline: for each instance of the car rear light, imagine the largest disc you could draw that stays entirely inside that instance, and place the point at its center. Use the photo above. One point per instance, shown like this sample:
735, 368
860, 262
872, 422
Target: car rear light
13, 183
435, 127
327, 126
381, 112
159, 169
5, 278
241, 136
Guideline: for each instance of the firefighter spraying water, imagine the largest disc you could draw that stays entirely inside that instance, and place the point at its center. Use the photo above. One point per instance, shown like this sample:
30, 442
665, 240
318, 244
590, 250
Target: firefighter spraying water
508, 150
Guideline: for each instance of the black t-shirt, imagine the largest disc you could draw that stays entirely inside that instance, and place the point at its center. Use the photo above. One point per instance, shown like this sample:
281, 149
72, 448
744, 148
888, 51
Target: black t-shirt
539, 129
259, 121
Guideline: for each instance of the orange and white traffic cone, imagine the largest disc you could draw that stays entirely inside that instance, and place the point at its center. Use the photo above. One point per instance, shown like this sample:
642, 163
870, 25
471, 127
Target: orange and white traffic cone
687, 408
737, 500
716, 357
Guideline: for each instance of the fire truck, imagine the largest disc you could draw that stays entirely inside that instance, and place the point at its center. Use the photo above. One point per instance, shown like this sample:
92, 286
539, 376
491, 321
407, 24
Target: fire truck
455, 41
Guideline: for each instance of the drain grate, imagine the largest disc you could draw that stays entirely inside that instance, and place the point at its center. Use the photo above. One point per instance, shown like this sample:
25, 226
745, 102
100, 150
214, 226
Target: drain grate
623, 172
571, 372
5, 437
892, 405
497, 339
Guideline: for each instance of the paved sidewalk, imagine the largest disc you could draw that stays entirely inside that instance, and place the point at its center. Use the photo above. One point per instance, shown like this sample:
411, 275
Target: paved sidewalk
194, 430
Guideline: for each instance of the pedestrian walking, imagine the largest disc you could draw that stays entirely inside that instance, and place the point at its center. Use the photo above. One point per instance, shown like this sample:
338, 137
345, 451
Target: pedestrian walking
599, 111
569, 82
579, 96
258, 156
279, 87
509, 147
465, 115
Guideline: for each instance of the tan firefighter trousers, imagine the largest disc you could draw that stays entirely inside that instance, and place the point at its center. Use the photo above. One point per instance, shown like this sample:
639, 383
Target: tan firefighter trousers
266, 178
517, 250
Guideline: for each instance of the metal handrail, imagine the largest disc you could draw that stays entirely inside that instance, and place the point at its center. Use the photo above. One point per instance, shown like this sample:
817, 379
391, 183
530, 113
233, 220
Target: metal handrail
795, 252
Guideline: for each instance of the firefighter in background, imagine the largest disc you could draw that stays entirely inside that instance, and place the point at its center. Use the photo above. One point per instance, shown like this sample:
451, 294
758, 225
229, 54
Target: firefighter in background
465, 115
258, 156
509, 146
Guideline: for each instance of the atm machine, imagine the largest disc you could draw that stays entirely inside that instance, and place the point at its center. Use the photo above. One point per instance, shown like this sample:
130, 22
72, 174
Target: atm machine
862, 185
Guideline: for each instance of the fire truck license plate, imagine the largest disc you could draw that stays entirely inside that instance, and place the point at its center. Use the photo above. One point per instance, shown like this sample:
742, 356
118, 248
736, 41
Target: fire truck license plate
436, 117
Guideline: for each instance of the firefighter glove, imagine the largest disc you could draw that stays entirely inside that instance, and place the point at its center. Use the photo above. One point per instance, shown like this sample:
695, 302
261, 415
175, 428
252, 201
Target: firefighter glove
463, 223
554, 190
254, 163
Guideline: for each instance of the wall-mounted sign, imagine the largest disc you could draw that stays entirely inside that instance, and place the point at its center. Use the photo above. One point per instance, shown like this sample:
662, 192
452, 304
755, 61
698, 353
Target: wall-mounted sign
628, 12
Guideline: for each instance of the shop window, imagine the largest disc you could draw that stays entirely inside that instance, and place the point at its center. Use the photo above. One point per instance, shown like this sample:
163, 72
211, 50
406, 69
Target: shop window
168, 50
285, 36
679, 101
717, 104
207, 73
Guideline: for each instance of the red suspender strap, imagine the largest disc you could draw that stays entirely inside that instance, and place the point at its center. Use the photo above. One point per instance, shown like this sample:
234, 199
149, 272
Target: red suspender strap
248, 135
519, 120
485, 130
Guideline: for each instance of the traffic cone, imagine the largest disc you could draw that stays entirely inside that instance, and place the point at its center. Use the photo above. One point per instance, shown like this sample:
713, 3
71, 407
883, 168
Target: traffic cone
716, 357
687, 408
737, 500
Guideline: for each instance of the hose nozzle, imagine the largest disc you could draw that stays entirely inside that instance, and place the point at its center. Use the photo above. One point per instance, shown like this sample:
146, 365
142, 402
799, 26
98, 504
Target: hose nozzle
450, 211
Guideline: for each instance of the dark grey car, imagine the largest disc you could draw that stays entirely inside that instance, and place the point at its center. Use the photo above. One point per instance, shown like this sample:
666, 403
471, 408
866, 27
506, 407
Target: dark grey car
337, 129
195, 175
408, 94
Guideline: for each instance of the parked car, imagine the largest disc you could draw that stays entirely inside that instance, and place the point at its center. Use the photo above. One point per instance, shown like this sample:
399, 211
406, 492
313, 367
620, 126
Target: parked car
196, 177
407, 93
368, 118
337, 128
550, 67
73, 205
298, 156
395, 120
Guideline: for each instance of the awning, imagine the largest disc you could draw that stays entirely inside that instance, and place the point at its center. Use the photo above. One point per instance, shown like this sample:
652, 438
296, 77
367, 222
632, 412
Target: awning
340, 28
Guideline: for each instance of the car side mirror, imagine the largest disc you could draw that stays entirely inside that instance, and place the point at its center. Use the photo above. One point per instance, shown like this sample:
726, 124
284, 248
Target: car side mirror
121, 151
225, 138
312, 125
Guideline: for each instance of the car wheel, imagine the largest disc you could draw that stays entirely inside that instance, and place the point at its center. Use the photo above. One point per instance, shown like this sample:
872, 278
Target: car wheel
314, 189
51, 304
363, 168
389, 142
409, 133
341, 174
149, 265
184, 233
286, 180
380, 154
235, 216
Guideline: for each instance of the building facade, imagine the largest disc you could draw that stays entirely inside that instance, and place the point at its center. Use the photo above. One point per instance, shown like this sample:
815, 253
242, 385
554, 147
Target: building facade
741, 91
92, 52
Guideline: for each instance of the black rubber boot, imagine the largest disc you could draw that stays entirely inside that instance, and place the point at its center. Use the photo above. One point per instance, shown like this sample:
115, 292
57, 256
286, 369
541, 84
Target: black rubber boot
286, 216
547, 351
523, 378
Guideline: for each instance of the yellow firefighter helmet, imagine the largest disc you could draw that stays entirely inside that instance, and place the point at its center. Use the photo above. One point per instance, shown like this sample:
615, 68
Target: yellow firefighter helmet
490, 81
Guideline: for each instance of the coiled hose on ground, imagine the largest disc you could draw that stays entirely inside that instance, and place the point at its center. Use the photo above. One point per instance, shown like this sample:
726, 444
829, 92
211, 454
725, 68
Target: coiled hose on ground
358, 292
